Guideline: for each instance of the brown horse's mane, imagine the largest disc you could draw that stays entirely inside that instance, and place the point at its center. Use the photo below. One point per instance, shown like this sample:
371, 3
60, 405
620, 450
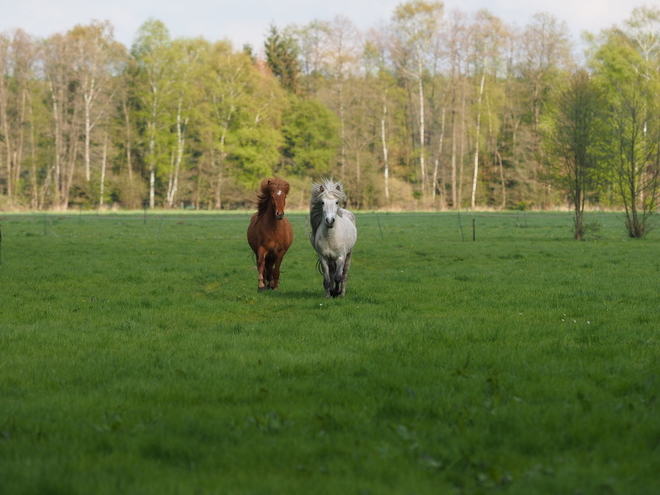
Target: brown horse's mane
267, 188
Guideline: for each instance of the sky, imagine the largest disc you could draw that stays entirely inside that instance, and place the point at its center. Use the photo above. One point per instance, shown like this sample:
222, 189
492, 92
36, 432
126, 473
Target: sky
248, 21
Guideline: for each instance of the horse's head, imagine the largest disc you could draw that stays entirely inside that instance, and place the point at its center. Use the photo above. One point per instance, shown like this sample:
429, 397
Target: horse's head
275, 191
278, 199
331, 206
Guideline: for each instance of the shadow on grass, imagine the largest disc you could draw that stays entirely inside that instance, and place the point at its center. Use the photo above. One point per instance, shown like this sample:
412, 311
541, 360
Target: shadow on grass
294, 294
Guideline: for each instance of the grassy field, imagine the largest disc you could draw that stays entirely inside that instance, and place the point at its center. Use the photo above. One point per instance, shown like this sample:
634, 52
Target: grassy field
138, 358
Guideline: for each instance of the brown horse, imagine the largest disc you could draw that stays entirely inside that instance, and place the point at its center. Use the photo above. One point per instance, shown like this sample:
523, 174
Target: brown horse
270, 234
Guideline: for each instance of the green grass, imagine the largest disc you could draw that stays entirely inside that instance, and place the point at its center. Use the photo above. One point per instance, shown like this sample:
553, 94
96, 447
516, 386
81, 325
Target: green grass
139, 358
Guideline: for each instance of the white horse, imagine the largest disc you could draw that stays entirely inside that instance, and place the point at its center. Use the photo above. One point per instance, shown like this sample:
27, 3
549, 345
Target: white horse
333, 235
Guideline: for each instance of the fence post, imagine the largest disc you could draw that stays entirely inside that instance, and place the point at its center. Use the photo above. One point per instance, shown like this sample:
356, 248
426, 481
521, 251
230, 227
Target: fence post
381, 230
159, 227
460, 225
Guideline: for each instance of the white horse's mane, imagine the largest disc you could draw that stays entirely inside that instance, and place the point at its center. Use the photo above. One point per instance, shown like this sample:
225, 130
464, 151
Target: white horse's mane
320, 190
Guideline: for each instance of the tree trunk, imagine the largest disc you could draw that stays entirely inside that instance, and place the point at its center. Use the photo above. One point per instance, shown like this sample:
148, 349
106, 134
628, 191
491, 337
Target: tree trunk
454, 188
152, 163
4, 115
422, 130
461, 156
441, 140
386, 171
20, 142
476, 143
58, 147
127, 121
88, 132
103, 164
343, 131
180, 146
34, 194
499, 159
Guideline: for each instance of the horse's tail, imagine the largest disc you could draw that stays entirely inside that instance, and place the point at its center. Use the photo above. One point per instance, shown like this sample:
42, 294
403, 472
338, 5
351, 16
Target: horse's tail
332, 266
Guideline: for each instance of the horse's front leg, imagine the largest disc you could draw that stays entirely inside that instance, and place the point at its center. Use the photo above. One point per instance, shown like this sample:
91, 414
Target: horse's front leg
339, 270
261, 266
327, 280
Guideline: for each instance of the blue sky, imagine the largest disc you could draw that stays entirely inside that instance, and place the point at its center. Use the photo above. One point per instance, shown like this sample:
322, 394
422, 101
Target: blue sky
247, 21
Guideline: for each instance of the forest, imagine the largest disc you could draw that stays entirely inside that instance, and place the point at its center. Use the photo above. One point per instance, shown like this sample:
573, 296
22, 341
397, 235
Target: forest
434, 109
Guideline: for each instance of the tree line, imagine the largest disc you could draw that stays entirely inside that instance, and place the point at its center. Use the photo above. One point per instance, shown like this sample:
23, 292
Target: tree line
432, 109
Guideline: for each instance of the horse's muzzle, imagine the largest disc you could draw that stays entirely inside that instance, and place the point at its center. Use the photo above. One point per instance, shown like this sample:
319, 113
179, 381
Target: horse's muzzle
329, 222
279, 215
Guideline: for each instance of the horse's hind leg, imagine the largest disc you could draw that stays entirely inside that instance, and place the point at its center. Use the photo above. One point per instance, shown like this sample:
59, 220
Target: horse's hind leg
338, 277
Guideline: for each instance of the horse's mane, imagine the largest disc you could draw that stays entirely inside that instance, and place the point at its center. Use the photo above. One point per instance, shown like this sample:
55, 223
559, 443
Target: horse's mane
325, 189
267, 187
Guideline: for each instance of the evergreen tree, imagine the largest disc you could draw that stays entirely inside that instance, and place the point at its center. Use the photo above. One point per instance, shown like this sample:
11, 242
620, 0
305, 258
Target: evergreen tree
282, 58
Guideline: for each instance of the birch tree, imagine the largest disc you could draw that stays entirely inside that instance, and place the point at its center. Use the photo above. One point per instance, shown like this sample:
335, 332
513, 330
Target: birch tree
225, 90
313, 43
187, 59
486, 53
66, 111
98, 62
416, 24
156, 77
455, 42
643, 28
18, 58
379, 76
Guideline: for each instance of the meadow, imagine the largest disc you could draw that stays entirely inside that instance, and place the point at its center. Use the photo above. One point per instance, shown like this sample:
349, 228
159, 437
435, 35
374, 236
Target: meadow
138, 357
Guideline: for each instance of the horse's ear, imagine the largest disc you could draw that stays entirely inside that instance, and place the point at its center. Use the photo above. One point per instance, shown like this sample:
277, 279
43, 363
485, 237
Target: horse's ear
338, 187
321, 189
269, 182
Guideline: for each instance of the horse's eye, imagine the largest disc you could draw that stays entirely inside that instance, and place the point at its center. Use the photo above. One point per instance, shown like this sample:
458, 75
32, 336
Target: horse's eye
336, 202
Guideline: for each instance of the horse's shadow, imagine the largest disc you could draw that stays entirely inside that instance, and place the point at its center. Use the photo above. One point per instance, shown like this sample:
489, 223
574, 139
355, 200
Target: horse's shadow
319, 295
297, 294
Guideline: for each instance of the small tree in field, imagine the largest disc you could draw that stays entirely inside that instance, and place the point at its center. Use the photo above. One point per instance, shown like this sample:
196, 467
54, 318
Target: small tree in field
571, 141
632, 115
636, 154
